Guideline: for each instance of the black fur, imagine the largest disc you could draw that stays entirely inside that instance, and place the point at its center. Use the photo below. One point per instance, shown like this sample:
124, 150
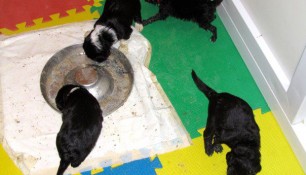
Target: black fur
82, 124
231, 121
118, 15
200, 11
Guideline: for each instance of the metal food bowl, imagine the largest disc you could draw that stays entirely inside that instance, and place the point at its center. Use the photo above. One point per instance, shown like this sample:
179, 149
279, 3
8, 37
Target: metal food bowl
110, 81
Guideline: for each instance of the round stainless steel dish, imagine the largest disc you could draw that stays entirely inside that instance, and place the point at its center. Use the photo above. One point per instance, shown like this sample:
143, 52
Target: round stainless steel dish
110, 82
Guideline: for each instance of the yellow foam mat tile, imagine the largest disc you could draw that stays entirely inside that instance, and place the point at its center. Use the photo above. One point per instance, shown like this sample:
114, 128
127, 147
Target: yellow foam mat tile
98, 3
7, 166
277, 156
97, 170
56, 20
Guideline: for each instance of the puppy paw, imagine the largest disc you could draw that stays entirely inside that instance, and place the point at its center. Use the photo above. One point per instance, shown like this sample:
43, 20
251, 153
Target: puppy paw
209, 151
123, 47
213, 39
123, 43
218, 148
138, 27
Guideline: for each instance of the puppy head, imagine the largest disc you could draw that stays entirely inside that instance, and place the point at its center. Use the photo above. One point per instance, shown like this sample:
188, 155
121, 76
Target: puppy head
98, 43
243, 161
62, 96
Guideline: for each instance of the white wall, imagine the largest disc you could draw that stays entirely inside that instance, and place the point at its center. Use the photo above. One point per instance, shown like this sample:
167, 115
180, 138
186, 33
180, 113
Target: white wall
283, 25
270, 37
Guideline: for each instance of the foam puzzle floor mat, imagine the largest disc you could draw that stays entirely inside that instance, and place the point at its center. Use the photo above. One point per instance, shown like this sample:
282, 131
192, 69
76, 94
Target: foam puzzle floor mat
277, 157
31, 15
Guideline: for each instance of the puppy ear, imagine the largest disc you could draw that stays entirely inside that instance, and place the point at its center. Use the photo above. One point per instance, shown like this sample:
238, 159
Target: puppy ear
231, 163
249, 159
62, 96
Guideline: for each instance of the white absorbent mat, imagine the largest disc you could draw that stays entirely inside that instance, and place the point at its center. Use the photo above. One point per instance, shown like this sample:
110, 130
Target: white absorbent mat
144, 126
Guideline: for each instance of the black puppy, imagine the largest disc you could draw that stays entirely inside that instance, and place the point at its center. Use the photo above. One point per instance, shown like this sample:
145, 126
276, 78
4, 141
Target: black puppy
113, 25
231, 121
82, 124
200, 11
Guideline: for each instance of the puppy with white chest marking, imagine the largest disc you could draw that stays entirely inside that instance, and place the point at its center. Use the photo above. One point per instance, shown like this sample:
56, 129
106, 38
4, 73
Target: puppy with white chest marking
82, 123
231, 121
201, 12
113, 25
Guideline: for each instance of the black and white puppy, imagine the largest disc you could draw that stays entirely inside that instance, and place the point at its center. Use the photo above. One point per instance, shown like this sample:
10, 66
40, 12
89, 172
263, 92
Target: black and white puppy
81, 127
201, 12
113, 25
231, 121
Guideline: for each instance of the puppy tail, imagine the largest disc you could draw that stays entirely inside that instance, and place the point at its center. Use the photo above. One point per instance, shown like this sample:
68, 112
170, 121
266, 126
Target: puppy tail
62, 167
209, 93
